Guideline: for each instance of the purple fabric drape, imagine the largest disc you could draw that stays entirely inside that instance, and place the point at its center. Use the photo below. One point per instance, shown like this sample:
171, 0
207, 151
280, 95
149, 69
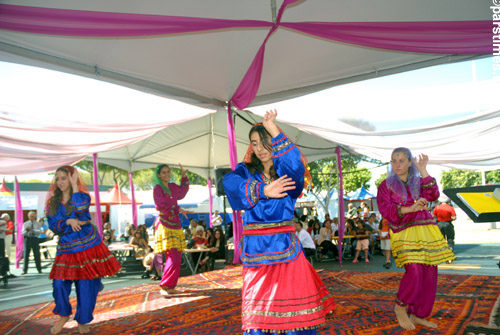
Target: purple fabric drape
233, 159
19, 224
210, 200
134, 204
66, 22
341, 204
448, 37
98, 215
467, 37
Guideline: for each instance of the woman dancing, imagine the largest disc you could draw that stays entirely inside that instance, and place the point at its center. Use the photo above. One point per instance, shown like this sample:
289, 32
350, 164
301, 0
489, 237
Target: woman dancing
266, 185
81, 256
169, 236
416, 242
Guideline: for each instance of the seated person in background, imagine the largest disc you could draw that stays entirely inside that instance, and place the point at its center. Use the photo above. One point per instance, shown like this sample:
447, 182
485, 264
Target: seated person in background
193, 227
140, 245
365, 211
305, 239
107, 226
144, 232
107, 238
217, 249
325, 241
352, 211
335, 226
153, 263
315, 231
362, 236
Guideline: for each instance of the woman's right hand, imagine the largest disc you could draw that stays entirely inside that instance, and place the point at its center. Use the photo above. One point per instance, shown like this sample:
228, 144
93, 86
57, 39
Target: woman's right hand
277, 188
74, 224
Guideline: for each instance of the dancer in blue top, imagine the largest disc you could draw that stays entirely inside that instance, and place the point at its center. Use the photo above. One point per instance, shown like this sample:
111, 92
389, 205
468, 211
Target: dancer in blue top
266, 185
81, 256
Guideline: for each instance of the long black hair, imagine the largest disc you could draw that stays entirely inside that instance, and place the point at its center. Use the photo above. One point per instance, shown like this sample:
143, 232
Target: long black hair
255, 166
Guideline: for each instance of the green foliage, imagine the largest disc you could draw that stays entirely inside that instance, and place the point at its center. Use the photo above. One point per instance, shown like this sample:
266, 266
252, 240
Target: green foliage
460, 178
382, 177
324, 175
454, 178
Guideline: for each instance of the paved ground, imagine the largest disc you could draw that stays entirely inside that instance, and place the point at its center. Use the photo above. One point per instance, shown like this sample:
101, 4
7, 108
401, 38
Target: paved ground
477, 250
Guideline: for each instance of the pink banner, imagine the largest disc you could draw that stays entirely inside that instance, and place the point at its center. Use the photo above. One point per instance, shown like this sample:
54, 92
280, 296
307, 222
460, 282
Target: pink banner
97, 197
134, 204
65, 22
19, 224
210, 200
233, 159
341, 203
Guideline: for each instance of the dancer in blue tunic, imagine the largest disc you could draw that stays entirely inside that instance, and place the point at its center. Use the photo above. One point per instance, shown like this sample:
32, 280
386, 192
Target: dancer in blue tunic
81, 256
266, 185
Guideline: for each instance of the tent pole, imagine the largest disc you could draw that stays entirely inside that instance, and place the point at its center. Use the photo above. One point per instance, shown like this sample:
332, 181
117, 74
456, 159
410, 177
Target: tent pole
341, 203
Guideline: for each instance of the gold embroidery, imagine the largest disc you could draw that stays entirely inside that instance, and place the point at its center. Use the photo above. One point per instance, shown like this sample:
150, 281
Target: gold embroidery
76, 243
284, 314
267, 225
291, 252
429, 184
282, 145
252, 191
411, 223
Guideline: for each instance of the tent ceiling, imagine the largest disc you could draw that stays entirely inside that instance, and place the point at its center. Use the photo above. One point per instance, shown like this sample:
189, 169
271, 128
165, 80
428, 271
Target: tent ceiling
206, 68
201, 145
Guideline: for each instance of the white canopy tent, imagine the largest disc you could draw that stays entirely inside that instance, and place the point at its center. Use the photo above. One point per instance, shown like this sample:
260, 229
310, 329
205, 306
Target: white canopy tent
206, 67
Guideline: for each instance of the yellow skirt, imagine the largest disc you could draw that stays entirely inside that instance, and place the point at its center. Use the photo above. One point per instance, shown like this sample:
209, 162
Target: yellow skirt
166, 239
420, 244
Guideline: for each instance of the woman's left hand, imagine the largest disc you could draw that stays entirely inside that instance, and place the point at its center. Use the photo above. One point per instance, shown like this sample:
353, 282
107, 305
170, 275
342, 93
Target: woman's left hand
183, 172
269, 123
421, 164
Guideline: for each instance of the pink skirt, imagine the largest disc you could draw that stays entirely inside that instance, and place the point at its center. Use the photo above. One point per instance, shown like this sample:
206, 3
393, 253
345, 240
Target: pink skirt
288, 296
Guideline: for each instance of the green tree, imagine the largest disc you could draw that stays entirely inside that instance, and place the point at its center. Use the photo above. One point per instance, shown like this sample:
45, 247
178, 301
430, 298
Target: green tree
454, 178
324, 175
380, 179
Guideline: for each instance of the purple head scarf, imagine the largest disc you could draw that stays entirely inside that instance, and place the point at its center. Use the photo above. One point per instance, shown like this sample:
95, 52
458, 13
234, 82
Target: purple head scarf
397, 186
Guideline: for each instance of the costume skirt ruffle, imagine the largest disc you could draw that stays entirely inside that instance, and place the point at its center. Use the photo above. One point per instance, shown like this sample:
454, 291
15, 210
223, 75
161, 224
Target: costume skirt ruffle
420, 244
166, 239
285, 298
92, 263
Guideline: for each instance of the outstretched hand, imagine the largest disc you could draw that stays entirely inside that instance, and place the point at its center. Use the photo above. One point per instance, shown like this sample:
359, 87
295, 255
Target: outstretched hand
269, 123
73, 178
183, 172
421, 162
279, 187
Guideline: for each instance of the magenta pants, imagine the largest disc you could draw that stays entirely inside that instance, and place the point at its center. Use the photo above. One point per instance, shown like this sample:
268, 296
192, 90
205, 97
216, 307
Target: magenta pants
171, 268
417, 289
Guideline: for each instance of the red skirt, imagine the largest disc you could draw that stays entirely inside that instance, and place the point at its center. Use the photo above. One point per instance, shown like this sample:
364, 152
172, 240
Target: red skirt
288, 296
92, 263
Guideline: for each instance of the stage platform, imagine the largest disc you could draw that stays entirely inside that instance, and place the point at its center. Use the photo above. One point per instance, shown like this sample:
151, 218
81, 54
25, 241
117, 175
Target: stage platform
211, 304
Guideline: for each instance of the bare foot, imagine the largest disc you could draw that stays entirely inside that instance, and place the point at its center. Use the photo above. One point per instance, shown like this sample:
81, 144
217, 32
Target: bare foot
402, 317
83, 328
59, 325
169, 291
418, 321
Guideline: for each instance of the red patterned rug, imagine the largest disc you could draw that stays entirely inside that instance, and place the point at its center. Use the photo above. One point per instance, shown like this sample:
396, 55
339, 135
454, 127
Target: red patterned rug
467, 305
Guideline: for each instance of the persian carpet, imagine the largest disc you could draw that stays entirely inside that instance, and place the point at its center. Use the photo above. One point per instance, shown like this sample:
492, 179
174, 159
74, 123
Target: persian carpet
211, 304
